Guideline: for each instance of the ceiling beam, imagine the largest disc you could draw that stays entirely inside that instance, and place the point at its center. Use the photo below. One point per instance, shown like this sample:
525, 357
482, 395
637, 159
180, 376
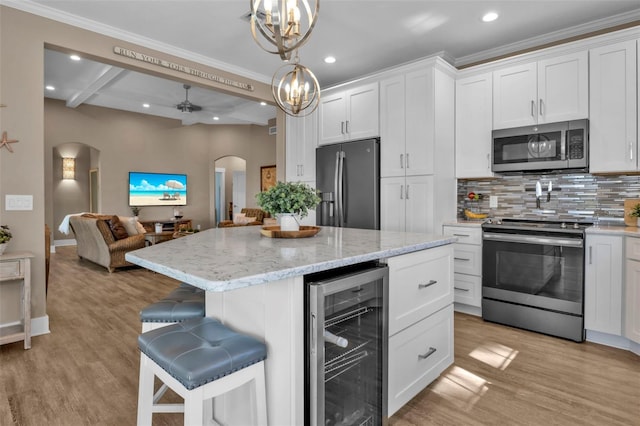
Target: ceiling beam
108, 74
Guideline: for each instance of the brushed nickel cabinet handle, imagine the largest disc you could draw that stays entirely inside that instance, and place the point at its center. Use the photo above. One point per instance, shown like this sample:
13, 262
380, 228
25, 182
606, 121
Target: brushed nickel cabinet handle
407, 160
430, 352
402, 161
461, 289
461, 258
429, 284
541, 110
402, 192
533, 108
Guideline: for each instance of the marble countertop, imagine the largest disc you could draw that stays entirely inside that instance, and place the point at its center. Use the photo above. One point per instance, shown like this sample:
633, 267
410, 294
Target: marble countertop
614, 230
224, 259
465, 223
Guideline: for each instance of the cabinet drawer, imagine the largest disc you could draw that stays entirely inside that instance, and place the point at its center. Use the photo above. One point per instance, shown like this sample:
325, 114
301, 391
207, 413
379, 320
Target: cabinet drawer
467, 259
10, 269
467, 289
418, 355
420, 284
466, 235
632, 248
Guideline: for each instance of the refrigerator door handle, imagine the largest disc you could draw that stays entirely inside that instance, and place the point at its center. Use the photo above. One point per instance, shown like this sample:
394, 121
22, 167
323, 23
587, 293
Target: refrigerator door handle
340, 199
336, 180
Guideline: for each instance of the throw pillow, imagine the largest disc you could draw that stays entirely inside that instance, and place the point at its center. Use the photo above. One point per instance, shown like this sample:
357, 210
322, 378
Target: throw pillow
238, 218
140, 228
129, 224
117, 228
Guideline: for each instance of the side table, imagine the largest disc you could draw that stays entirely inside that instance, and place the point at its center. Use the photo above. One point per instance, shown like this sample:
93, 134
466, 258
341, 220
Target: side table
17, 266
158, 237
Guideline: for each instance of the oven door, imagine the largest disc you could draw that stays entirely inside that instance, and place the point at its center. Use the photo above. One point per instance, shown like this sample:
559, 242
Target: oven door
534, 270
532, 148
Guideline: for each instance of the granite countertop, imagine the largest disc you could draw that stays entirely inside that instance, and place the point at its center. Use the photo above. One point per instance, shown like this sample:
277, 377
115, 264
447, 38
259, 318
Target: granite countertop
614, 230
224, 259
465, 223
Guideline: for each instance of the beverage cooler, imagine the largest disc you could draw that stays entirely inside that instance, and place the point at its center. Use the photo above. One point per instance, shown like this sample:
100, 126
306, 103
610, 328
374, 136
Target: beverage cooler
346, 346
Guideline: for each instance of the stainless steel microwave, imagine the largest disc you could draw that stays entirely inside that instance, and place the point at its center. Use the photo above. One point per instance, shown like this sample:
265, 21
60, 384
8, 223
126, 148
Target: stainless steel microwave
542, 147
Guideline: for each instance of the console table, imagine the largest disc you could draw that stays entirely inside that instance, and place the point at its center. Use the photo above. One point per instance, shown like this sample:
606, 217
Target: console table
167, 225
17, 266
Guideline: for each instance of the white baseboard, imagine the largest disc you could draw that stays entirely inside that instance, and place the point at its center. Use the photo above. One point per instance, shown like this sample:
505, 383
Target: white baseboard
67, 242
467, 309
614, 341
40, 326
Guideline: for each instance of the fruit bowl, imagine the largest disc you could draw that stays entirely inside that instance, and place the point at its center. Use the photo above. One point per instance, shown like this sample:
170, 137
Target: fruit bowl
474, 216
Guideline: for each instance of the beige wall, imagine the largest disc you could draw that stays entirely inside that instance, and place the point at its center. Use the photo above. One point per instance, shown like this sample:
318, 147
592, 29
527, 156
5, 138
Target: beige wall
22, 41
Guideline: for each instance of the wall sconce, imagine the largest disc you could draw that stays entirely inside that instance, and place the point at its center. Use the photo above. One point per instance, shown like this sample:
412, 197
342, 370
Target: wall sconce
68, 168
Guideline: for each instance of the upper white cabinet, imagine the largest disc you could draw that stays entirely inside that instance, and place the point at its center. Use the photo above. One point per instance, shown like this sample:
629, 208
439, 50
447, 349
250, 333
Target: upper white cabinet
473, 126
301, 143
614, 116
349, 114
545, 91
603, 284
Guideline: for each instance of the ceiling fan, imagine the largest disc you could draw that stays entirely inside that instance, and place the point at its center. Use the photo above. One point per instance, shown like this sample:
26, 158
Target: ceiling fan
186, 106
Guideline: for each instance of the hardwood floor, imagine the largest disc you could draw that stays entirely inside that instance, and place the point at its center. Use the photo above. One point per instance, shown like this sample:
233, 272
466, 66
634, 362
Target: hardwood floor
86, 371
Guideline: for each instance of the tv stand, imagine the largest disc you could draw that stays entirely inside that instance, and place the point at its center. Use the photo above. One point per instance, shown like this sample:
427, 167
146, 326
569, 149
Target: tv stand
167, 225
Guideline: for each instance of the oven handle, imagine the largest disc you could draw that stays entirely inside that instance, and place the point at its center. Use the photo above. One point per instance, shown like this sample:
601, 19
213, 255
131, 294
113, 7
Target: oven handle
529, 239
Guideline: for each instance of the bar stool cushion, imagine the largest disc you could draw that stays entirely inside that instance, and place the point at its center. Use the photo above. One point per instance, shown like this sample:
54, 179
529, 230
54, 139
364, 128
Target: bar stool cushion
183, 303
199, 351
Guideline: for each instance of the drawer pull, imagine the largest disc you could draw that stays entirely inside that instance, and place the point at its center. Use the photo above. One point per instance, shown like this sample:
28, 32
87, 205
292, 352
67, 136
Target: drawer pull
462, 235
461, 258
461, 289
429, 284
430, 352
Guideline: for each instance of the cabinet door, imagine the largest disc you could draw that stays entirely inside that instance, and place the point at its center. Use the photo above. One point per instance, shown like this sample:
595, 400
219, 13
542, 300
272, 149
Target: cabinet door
294, 138
392, 126
333, 109
306, 150
563, 88
419, 204
473, 126
392, 205
603, 284
419, 121
467, 289
362, 120
632, 297
514, 96
613, 115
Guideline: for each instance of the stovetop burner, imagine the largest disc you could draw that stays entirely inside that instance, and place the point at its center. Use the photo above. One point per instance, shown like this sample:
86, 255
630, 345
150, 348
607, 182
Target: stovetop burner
568, 226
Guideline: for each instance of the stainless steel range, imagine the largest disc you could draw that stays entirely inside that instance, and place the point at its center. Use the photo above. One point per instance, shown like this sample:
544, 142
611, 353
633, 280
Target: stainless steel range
533, 275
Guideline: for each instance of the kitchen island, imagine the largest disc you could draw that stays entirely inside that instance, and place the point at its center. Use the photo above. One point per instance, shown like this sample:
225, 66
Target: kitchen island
255, 285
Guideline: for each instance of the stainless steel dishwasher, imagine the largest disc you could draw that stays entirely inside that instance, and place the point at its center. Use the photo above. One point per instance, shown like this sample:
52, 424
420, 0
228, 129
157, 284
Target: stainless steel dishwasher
346, 350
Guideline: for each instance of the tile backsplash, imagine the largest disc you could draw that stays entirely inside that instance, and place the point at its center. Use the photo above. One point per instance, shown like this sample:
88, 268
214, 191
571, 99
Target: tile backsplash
579, 196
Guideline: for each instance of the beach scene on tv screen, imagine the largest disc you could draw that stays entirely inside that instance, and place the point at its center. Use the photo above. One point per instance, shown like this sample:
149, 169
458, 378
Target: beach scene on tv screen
157, 189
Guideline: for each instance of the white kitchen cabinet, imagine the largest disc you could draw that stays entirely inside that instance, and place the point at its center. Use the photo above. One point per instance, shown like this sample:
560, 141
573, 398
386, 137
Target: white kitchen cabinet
467, 265
613, 108
349, 114
545, 91
474, 115
407, 204
301, 143
603, 284
417, 147
420, 322
632, 289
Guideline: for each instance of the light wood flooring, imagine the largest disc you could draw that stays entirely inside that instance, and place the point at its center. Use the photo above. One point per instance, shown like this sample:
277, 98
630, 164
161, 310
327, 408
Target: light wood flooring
86, 371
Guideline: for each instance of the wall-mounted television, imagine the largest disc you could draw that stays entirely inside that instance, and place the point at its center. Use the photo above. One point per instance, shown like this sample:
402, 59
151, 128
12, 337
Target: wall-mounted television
157, 189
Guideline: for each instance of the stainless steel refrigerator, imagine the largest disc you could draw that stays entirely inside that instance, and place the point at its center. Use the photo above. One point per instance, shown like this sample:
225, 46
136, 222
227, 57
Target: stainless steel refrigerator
348, 178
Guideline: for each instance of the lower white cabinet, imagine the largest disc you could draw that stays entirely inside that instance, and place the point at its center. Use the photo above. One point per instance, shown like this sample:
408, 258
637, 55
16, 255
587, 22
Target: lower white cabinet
420, 321
603, 284
632, 289
467, 265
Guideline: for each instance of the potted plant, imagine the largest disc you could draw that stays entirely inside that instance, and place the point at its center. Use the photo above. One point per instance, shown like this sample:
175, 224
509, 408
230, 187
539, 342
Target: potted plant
635, 212
135, 210
286, 200
5, 236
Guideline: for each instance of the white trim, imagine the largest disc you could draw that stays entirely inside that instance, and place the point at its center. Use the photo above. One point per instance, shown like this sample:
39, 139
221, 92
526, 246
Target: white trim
40, 326
467, 309
107, 30
586, 28
62, 243
613, 341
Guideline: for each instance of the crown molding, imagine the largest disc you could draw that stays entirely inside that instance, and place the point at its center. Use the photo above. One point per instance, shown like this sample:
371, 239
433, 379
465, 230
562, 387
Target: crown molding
90, 25
556, 36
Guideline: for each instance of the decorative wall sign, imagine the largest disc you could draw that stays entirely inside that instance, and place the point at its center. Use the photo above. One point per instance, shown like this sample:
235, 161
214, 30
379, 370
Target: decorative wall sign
181, 68
267, 177
6, 142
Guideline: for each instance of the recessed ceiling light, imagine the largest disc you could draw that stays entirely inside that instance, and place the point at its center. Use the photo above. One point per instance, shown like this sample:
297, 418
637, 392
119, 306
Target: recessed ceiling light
330, 60
263, 103
216, 118
146, 105
489, 17
74, 57
50, 88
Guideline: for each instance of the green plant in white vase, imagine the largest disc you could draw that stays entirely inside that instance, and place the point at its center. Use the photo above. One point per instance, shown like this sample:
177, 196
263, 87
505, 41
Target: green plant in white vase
5, 236
288, 199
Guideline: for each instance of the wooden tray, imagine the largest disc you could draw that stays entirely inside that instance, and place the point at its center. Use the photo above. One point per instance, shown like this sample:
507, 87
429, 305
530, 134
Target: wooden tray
275, 232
